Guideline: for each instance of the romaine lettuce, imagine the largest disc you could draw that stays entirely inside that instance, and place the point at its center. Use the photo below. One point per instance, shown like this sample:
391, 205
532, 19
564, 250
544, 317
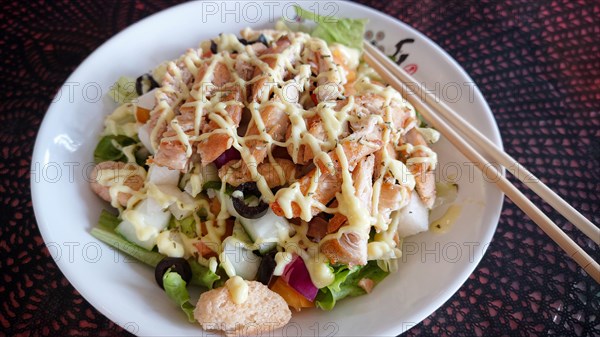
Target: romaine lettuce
186, 226
148, 257
123, 91
110, 148
346, 283
202, 276
108, 221
175, 287
348, 32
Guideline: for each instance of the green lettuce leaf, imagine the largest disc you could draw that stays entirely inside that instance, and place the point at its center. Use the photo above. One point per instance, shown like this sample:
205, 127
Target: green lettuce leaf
348, 32
123, 91
345, 284
186, 226
421, 119
106, 149
202, 276
108, 221
109, 237
216, 185
175, 287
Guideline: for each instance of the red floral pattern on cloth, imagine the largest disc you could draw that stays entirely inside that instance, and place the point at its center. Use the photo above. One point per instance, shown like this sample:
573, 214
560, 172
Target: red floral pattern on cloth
537, 64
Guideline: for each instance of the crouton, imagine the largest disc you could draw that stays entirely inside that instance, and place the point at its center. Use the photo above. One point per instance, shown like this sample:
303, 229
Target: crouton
262, 311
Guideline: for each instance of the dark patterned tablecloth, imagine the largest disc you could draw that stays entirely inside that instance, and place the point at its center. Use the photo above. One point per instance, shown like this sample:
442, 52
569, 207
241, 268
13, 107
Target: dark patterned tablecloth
536, 62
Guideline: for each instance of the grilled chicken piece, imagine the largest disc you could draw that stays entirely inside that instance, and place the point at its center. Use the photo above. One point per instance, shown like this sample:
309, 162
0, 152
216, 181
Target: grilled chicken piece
110, 173
423, 172
219, 141
234, 174
275, 123
351, 247
328, 176
172, 152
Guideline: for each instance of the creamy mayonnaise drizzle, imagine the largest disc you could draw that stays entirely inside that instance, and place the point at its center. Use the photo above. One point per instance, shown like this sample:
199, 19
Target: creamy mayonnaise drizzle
445, 222
345, 95
238, 289
115, 178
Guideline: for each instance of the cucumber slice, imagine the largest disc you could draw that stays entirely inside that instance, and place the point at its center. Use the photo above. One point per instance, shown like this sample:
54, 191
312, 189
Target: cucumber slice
159, 175
266, 247
414, 217
149, 217
240, 233
147, 100
266, 231
243, 261
144, 136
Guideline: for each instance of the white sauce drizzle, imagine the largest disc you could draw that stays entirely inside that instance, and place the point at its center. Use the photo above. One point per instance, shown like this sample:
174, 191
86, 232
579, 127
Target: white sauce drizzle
306, 64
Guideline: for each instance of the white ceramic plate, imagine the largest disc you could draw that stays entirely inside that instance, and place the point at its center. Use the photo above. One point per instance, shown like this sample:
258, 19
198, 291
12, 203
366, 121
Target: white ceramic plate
433, 268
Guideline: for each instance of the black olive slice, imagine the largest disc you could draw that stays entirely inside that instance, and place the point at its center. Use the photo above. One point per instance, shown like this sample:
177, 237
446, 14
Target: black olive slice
177, 265
245, 210
262, 39
266, 268
145, 80
213, 47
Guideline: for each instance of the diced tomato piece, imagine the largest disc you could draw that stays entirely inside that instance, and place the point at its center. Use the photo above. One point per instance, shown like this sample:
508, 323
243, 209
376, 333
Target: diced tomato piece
228, 228
204, 250
203, 229
215, 206
142, 115
351, 76
314, 99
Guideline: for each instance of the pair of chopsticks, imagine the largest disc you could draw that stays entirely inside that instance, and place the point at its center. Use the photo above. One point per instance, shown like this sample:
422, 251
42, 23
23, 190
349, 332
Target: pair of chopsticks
432, 107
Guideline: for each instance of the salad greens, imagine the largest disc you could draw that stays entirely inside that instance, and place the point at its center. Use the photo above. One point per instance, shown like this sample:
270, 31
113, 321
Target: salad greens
346, 283
104, 231
123, 90
175, 287
186, 226
216, 185
346, 31
109, 237
202, 276
110, 148
108, 221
